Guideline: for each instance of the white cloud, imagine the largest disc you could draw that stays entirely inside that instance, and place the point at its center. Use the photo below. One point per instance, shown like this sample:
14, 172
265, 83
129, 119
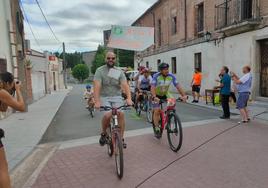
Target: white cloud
79, 23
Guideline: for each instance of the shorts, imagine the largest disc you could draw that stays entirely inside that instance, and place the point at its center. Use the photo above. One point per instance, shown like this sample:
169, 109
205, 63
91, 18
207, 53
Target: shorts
2, 135
116, 101
196, 88
157, 105
242, 100
146, 89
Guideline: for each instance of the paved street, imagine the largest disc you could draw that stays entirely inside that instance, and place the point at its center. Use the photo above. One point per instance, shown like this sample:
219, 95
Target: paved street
73, 121
222, 155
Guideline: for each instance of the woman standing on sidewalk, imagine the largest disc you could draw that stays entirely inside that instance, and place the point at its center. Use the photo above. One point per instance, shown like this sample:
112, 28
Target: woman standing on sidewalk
7, 90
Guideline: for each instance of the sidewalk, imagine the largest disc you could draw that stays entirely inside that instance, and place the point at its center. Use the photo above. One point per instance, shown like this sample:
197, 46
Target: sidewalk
24, 130
257, 109
218, 155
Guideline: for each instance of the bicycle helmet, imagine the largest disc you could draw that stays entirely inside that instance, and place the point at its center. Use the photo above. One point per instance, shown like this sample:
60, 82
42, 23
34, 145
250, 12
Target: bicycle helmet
141, 68
88, 86
163, 66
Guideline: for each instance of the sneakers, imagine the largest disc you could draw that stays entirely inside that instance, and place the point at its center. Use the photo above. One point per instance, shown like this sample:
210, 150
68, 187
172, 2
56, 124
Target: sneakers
157, 133
124, 143
102, 140
195, 101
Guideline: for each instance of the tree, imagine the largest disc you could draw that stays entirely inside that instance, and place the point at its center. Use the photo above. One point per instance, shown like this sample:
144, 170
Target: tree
126, 58
72, 59
99, 59
80, 72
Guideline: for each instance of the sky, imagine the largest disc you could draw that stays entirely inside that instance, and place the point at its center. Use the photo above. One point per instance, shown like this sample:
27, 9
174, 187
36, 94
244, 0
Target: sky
78, 23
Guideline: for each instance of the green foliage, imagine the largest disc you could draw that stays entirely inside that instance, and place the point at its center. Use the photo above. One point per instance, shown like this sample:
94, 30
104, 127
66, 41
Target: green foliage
99, 59
80, 72
126, 58
72, 59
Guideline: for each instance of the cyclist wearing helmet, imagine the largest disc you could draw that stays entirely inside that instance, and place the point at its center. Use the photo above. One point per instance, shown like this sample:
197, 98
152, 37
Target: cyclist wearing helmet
160, 90
88, 95
144, 83
136, 79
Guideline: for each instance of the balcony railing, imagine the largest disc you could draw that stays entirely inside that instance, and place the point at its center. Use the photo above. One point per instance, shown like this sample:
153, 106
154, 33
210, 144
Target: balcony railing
232, 12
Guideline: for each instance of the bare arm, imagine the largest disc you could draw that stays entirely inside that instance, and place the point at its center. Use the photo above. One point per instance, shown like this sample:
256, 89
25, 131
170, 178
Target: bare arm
180, 90
236, 79
97, 88
126, 89
7, 99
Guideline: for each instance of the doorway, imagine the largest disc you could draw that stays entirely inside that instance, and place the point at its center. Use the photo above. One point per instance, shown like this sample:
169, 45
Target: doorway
264, 69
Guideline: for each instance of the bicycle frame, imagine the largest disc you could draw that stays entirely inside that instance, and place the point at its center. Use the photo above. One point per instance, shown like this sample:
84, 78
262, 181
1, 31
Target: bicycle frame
164, 114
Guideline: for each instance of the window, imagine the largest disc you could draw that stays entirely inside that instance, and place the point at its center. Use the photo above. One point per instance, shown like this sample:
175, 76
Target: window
3, 65
198, 61
147, 64
159, 33
174, 65
174, 25
158, 63
246, 9
200, 18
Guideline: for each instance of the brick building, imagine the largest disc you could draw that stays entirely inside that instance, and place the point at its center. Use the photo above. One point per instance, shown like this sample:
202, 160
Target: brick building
208, 34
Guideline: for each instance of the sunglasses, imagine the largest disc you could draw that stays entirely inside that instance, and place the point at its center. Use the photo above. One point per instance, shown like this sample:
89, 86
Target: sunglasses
110, 58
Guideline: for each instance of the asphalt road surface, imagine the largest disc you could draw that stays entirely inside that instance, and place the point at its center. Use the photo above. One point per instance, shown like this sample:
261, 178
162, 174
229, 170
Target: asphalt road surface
73, 120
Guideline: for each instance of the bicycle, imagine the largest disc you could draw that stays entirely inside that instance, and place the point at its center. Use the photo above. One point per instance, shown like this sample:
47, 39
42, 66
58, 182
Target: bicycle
114, 140
91, 109
170, 121
145, 104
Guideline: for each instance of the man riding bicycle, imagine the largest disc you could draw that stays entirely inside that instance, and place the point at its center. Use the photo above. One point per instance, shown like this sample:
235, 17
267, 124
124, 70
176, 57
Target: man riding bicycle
160, 91
144, 84
108, 83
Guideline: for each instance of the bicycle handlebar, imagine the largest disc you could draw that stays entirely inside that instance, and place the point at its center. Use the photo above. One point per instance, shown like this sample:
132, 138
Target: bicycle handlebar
108, 108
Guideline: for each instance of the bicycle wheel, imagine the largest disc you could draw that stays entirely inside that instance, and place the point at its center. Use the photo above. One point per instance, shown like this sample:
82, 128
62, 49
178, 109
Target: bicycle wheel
119, 161
110, 147
138, 109
149, 113
174, 132
91, 110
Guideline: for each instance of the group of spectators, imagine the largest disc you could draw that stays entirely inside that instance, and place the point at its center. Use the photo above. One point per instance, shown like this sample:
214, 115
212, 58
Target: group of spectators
230, 85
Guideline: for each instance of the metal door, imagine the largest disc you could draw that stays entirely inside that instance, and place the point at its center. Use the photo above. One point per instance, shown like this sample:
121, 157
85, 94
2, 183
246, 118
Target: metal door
264, 69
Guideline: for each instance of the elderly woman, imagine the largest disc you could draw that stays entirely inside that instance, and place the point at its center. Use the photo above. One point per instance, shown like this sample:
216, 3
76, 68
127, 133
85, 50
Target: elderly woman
7, 90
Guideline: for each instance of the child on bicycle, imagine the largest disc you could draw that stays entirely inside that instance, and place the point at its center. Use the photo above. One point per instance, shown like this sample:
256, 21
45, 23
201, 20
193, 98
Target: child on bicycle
89, 96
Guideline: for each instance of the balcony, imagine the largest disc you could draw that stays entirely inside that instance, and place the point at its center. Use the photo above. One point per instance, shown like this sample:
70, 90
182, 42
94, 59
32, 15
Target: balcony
237, 16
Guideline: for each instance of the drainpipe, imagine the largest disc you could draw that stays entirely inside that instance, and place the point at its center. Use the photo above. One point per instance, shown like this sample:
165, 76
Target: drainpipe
185, 20
226, 12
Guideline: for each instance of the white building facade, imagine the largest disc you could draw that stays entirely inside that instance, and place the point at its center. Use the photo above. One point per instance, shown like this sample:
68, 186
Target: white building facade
209, 34
5, 44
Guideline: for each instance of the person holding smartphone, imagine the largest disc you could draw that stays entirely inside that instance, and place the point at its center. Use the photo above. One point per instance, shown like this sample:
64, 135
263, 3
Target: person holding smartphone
8, 88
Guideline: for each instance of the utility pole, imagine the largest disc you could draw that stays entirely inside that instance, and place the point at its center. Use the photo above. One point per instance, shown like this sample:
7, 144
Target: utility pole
64, 66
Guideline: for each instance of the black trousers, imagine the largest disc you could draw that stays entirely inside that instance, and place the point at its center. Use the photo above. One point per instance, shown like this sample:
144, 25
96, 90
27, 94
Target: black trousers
225, 105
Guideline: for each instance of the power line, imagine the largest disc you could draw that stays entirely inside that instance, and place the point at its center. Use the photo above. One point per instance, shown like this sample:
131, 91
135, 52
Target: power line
47, 22
24, 12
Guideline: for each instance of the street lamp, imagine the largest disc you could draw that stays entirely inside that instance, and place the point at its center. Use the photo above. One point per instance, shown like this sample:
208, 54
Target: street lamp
207, 36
